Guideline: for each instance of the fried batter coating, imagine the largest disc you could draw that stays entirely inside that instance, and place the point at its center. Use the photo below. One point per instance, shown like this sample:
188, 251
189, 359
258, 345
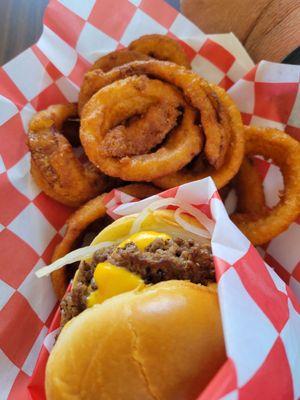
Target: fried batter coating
161, 48
285, 153
135, 95
54, 166
142, 133
117, 58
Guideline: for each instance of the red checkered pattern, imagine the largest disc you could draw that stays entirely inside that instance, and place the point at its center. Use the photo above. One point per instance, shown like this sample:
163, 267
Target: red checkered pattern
51, 71
115, 25
269, 95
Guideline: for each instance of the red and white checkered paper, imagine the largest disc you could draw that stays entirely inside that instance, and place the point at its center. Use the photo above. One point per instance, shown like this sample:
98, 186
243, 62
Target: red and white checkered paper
260, 312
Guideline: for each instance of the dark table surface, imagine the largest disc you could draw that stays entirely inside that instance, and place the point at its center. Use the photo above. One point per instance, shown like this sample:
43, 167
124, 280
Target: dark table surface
21, 25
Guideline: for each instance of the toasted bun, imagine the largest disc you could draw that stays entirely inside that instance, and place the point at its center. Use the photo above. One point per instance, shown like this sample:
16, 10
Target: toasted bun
164, 342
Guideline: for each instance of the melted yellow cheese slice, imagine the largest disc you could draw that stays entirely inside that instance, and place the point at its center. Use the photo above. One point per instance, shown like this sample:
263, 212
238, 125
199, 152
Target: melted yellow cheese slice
112, 280
144, 238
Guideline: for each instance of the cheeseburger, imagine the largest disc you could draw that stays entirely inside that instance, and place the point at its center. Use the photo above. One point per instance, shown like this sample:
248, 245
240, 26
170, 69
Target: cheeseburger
142, 319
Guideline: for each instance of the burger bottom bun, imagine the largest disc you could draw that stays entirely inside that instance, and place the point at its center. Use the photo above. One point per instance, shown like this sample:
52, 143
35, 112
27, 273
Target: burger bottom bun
164, 342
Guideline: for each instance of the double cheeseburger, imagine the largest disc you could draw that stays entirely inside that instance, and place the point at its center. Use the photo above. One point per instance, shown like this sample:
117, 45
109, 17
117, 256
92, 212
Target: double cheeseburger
142, 319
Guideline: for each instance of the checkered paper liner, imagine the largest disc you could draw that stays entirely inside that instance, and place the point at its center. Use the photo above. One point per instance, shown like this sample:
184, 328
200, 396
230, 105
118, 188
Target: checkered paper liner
76, 33
260, 339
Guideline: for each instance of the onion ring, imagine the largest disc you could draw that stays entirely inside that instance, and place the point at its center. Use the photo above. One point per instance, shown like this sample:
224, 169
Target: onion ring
233, 156
117, 58
54, 166
220, 118
135, 95
285, 152
161, 48
249, 189
141, 134
79, 221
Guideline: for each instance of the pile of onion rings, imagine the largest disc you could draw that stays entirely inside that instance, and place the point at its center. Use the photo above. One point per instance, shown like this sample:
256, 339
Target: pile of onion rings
139, 97
219, 122
145, 116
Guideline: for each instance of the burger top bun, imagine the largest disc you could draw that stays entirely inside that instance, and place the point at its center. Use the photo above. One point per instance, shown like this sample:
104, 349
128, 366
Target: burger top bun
163, 342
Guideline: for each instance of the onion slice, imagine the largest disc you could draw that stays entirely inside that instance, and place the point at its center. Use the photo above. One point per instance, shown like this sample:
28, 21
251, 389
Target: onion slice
185, 207
73, 256
137, 223
189, 227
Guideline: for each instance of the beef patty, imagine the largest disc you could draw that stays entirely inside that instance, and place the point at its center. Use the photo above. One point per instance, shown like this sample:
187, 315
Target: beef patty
162, 260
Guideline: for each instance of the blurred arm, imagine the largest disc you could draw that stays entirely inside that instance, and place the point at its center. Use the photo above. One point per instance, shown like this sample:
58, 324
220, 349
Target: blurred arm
268, 29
